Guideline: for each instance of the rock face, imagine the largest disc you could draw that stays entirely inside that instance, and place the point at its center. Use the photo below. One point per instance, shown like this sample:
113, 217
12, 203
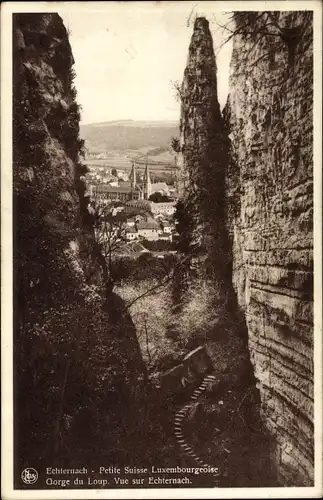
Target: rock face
46, 151
253, 175
201, 118
270, 212
69, 354
204, 152
195, 364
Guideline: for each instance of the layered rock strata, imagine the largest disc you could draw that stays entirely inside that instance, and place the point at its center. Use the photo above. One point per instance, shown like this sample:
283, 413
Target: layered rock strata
270, 201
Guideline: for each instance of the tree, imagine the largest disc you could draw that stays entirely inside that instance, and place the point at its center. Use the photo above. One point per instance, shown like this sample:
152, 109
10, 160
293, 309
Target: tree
176, 146
159, 197
177, 87
110, 235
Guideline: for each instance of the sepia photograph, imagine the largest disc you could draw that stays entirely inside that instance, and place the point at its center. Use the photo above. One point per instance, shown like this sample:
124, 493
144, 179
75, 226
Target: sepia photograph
160, 334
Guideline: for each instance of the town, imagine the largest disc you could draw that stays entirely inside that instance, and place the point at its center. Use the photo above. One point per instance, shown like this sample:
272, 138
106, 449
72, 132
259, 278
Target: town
132, 211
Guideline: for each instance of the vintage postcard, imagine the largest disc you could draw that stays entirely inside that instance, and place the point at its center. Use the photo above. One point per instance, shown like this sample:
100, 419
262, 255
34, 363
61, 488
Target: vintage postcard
161, 249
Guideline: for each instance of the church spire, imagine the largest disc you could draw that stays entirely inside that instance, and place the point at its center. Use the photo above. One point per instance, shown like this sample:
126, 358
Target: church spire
132, 176
147, 181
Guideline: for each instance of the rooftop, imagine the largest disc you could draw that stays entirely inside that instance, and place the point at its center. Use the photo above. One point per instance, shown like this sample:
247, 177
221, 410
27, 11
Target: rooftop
150, 224
104, 188
162, 203
159, 186
141, 204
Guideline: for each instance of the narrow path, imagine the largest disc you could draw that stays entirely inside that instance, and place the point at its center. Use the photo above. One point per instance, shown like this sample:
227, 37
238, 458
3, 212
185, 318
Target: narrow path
235, 438
180, 417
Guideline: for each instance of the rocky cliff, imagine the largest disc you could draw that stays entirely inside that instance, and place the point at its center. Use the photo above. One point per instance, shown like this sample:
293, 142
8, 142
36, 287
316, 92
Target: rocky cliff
204, 155
77, 359
270, 201
250, 173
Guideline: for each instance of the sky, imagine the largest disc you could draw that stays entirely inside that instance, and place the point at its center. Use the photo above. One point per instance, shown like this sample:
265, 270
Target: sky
128, 54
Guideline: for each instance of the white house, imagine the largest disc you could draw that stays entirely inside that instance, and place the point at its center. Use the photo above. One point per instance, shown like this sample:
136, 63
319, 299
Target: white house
131, 221
165, 208
131, 233
159, 187
167, 228
165, 236
148, 230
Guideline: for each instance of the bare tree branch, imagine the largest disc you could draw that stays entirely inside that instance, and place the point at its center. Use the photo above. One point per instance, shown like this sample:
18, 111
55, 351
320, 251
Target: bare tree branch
160, 284
190, 15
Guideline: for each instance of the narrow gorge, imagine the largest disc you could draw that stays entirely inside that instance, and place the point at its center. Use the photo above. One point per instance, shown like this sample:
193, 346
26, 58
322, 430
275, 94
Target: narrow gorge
271, 170
231, 384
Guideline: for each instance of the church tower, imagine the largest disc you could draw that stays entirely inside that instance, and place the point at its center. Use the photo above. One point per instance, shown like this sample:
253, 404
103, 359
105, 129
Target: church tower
147, 182
132, 176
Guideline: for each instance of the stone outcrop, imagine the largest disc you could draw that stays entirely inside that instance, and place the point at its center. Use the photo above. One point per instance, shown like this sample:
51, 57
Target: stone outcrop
76, 352
270, 214
203, 155
201, 119
251, 177
194, 365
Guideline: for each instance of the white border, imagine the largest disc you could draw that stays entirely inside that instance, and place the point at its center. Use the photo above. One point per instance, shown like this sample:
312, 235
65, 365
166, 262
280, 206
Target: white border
7, 9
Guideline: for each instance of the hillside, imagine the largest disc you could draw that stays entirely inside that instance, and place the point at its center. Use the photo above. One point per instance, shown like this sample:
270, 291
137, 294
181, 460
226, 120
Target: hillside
125, 135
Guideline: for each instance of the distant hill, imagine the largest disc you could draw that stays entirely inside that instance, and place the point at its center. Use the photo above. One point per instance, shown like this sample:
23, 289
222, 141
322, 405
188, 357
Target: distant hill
128, 135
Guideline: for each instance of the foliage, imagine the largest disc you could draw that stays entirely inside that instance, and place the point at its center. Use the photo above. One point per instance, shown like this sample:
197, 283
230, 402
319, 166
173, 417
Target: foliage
110, 233
176, 144
166, 176
159, 197
159, 245
177, 87
185, 224
151, 312
196, 320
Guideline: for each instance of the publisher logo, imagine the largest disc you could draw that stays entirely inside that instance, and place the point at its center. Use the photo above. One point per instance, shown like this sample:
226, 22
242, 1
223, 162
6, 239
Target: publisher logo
29, 475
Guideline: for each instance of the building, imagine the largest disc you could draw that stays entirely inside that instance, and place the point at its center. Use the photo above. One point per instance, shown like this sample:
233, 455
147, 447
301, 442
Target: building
131, 233
143, 190
138, 207
131, 221
116, 210
128, 190
164, 208
140, 190
148, 229
160, 187
164, 236
167, 227
116, 193
146, 183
